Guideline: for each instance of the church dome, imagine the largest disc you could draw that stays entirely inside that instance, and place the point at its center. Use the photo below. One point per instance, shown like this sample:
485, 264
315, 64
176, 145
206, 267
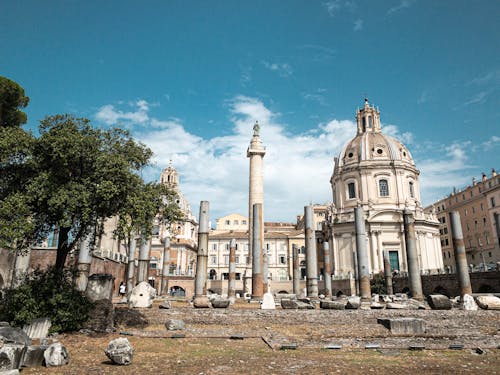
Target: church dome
370, 144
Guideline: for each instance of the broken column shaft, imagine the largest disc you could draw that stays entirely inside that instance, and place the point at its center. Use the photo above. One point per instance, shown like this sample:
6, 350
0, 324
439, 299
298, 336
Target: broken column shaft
412, 256
311, 256
143, 266
388, 274
166, 265
231, 290
327, 269
460, 256
200, 284
362, 255
83, 266
131, 263
265, 271
296, 270
257, 261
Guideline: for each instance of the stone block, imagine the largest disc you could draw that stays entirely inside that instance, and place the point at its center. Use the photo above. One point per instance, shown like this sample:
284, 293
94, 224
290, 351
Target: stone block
221, 303
439, 302
305, 304
377, 306
289, 304
403, 326
119, 351
38, 329
201, 302
268, 302
14, 335
142, 295
488, 302
468, 303
332, 305
11, 355
353, 302
175, 324
165, 305
56, 355
396, 306
414, 304
100, 286
33, 357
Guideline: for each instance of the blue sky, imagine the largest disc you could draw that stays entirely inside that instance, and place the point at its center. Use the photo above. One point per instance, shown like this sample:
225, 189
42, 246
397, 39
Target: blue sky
189, 79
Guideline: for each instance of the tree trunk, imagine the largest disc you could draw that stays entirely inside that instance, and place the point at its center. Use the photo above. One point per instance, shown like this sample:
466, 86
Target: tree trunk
62, 249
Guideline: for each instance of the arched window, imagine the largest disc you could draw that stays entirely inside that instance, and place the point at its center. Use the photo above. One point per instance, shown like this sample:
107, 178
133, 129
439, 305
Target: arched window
412, 189
351, 190
383, 188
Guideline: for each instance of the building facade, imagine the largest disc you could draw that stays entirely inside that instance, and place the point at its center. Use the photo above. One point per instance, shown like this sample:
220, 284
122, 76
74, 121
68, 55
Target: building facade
479, 207
377, 172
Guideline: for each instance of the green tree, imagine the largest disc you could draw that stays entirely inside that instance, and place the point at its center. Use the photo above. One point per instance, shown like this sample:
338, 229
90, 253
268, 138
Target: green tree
12, 98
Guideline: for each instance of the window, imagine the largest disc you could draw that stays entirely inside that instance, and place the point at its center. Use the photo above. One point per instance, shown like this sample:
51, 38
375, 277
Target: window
465, 212
489, 254
237, 259
412, 190
482, 207
449, 255
473, 210
351, 189
228, 222
445, 230
226, 259
383, 188
243, 222
492, 200
214, 247
484, 221
468, 227
446, 242
487, 239
213, 259
282, 259
235, 222
475, 224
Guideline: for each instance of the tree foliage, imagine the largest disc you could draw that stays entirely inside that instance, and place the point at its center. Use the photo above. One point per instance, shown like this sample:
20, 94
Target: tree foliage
12, 98
46, 294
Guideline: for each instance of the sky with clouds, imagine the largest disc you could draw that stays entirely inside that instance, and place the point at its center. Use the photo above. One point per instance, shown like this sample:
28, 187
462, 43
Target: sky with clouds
189, 79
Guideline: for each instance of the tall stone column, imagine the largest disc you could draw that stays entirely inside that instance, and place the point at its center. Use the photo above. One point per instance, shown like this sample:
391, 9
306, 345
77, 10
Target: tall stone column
143, 266
255, 153
131, 263
296, 270
200, 285
412, 256
311, 256
460, 256
327, 269
388, 274
166, 265
231, 290
265, 271
83, 265
362, 255
257, 261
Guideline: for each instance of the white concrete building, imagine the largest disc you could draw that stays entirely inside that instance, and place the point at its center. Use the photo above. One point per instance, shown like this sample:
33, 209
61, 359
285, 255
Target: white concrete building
377, 172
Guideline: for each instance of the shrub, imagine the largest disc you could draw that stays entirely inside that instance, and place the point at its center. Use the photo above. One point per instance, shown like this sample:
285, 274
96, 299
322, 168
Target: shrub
46, 294
378, 284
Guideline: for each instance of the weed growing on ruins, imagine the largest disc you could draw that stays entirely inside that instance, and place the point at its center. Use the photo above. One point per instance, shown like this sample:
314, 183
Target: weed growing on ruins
45, 294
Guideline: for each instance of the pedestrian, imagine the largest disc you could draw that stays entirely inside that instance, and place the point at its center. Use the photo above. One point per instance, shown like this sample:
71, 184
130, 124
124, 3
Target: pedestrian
122, 289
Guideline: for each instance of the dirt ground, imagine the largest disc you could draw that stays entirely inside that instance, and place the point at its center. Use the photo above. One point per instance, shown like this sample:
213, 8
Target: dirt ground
246, 340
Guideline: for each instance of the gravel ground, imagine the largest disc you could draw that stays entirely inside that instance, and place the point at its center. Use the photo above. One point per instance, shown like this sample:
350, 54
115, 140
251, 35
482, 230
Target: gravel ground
207, 347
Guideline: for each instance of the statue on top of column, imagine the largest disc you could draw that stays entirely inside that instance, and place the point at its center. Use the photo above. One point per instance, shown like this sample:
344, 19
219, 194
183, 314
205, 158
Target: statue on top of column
256, 128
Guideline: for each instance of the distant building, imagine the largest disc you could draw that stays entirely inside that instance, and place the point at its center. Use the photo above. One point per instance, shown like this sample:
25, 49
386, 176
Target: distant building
377, 172
479, 209
278, 240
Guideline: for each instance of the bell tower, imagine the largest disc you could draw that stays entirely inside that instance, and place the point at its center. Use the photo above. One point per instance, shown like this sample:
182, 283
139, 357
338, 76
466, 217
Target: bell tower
368, 119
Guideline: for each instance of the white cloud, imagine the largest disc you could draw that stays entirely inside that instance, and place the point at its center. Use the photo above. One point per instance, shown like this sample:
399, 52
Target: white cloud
494, 141
334, 6
110, 116
492, 77
358, 25
402, 5
283, 69
479, 98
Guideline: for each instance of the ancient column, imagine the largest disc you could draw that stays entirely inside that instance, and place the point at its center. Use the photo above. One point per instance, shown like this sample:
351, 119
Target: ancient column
362, 255
257, 261
412, 256
200, 284
255, 153
311, 256
265, 270
143, 266
327, 269
131, 263
231, 290
388, 274
166, 265
460, 256
296, 270
83, 265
